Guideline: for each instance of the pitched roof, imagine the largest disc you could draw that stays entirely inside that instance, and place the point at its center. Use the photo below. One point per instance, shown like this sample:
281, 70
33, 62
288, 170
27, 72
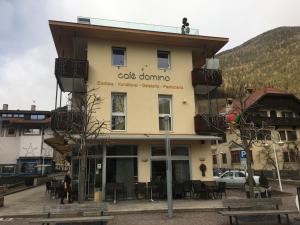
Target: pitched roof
254, 97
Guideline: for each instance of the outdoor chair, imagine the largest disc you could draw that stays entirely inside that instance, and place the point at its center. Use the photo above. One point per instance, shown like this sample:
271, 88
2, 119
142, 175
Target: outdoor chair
221, 190
178, 190
188, 188
109, 191
200, 190
155, 189
140, 190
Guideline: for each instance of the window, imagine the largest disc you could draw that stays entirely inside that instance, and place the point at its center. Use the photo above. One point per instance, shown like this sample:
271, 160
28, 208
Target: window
292, 156
163, 59
214, 159
175, 151
287, 114
118, 120
291, 135
282, 135
8, 169
228, 174
11, 132
5, 115
37, 117
235, 156
32, 131
273, 114
263, 135
164, 105
286, 157
118, 56
224, 158
263, 113
240, 174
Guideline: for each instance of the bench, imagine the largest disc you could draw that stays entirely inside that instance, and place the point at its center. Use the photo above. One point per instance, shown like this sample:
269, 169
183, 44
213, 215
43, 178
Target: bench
74, 213
255, 207
73, 220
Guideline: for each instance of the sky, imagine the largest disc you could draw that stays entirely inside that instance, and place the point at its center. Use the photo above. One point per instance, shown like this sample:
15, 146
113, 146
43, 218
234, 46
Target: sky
27, 51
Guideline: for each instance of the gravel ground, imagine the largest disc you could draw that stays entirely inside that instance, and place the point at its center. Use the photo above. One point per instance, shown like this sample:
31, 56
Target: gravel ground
193, 218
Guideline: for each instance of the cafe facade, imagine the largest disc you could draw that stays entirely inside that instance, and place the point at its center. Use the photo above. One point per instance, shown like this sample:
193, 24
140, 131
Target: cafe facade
149, 79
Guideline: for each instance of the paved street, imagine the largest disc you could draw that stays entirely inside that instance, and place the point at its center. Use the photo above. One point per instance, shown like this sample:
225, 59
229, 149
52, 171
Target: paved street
33, 200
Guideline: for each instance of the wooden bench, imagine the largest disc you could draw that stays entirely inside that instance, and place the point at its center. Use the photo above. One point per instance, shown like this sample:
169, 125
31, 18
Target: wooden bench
74, 213
73, 220
255, 207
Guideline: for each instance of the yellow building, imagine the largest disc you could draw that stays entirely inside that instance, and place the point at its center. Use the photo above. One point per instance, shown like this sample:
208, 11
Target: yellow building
143, 74
279, 113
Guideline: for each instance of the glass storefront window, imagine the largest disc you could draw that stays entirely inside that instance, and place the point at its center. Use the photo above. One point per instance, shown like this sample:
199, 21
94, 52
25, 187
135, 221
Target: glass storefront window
122, 150
176, 151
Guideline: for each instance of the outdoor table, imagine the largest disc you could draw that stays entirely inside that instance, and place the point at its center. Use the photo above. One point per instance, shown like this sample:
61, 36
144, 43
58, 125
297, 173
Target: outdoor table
212, 188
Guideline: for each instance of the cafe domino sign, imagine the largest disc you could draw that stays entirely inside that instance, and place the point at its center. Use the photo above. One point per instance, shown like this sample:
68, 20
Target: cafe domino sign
143, 76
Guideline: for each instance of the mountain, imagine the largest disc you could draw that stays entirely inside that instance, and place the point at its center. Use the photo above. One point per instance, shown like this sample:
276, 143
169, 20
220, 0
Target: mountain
270, 59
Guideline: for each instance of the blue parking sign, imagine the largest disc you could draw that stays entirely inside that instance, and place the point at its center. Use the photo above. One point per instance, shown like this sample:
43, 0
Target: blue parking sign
243, 154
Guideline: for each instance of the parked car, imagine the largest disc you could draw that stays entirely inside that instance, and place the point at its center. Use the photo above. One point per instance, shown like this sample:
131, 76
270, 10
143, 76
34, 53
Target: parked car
235, 178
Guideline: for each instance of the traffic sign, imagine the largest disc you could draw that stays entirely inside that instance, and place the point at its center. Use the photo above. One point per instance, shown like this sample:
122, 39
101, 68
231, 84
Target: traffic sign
243, 154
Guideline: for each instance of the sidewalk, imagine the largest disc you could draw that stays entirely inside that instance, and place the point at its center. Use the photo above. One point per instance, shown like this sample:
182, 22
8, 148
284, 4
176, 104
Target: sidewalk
33, 200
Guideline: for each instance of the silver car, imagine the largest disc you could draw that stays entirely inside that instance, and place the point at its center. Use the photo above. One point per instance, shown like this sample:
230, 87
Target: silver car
235, 178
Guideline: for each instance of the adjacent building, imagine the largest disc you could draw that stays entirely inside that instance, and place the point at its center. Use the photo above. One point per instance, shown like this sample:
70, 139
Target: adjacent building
276, 114
149, 79
22, 148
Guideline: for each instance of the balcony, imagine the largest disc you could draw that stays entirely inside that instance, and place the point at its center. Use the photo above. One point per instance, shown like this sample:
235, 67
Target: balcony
71, 74
63, 120
274, 121
209, 124
206, 80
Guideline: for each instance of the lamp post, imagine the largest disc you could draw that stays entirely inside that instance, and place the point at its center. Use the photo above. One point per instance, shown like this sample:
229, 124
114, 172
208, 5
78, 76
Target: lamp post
168, 168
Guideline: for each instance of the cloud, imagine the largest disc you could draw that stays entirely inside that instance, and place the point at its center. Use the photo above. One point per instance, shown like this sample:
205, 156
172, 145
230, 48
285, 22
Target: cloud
28, 77
27, 52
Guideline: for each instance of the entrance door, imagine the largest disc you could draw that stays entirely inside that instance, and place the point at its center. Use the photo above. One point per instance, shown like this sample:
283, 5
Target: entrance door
94, 176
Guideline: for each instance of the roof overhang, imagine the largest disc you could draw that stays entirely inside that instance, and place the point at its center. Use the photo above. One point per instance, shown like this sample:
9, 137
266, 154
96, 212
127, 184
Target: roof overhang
156, 137
64, 33
58, 144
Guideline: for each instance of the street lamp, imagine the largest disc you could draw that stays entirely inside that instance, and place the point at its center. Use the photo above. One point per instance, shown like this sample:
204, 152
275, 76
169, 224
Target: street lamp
168, 167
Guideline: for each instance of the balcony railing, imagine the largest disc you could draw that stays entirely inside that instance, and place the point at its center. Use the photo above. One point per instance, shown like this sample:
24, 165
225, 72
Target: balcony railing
136, 26
274, 121
209, 124
63, 120
73, 68
207, 77
206, 80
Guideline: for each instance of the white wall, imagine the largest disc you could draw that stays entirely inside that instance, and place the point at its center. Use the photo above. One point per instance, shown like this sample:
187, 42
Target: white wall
11, 148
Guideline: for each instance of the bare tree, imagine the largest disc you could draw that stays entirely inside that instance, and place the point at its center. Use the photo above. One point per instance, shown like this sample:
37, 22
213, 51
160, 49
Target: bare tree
243, 128
83, 127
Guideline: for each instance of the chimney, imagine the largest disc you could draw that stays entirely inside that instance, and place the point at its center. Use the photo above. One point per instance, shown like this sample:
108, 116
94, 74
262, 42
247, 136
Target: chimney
33, 107
5, 107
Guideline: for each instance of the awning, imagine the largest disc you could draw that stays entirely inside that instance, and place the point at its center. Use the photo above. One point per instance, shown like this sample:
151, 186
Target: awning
157, 137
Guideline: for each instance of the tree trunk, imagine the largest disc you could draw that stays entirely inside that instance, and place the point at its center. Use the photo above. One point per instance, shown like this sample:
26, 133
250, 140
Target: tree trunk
250, 172
82, 175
